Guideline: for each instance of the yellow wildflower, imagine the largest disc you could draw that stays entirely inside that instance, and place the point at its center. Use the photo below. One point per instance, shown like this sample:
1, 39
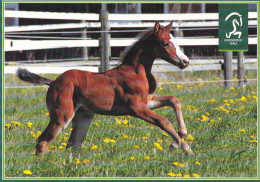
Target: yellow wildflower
252, 136
7, 125
197, 163
65, 144
77, 161
112, 141
47, 114
107, 140
158, 146
179, 164
196, 175
186, 175
147, 157
118, 121
204, 118
136, 147
145, 138
124, 135
125, 121
132, 158
243, 130
243, 99
94, 147
30, 124
190, 137
165, 134
179, 175
61, 147
27, 171
16, 123
172, 174
253, 141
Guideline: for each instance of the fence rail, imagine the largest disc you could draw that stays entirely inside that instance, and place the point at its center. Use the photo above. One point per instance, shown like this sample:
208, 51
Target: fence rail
190, 21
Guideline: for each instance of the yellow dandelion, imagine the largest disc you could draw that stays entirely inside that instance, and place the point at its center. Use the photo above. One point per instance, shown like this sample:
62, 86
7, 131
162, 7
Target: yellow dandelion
77, 161
7, 125
132, 158
243, 130
29, 124
61, 147
107, 140
94, 147
243, 98
179, 175
158, 146
179, 164
160, 88
47, 114
197, 163
212, 120
165, 134
171, 174
147, 157
16, 123
125, 122
196, 175
65, 144
112, 141
204, 118
118, 121
136, 147
145, 138
232, 88
253, 141
190, 137
207, 114
186, 175
252, 136
27, 171
124, 135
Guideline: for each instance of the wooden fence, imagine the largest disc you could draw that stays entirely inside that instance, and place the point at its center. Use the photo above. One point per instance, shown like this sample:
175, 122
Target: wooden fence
105, 21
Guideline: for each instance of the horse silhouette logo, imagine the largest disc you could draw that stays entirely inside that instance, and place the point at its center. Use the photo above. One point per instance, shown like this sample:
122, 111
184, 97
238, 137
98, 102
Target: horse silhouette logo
236, 22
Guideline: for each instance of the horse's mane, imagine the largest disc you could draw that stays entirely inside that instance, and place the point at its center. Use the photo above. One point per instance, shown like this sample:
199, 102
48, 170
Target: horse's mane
141, 36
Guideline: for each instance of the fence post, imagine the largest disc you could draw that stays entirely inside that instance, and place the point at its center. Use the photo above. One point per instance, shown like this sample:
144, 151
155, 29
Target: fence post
240, 68
84, 49
104, 41
228, 73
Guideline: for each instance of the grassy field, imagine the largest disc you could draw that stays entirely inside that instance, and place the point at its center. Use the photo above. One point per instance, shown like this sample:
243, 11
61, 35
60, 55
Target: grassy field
221, 122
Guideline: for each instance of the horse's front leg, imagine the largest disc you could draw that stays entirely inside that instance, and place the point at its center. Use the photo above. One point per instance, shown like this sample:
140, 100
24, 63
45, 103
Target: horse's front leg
155, 102
151, 117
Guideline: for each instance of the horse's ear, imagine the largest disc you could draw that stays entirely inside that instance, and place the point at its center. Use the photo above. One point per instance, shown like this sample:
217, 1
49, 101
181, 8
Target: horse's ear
169, 27
157, 27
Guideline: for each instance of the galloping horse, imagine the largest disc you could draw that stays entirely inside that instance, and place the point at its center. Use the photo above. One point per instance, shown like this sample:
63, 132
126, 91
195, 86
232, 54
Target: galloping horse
125, 90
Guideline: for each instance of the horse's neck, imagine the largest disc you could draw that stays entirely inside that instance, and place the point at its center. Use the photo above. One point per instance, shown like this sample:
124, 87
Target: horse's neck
140, 55
145, 58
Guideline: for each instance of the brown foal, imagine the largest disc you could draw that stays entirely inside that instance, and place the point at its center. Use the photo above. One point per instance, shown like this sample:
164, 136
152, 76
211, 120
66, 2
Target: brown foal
125, 90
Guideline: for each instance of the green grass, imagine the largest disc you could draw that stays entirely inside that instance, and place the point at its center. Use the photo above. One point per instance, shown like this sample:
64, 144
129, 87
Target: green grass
223, 143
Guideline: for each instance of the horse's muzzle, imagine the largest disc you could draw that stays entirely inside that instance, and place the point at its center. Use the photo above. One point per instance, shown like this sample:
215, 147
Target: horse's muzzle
183, 64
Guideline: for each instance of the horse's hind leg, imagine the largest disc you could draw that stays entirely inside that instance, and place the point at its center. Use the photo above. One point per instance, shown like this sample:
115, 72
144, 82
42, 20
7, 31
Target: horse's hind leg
80, 126
161, 101
61, 110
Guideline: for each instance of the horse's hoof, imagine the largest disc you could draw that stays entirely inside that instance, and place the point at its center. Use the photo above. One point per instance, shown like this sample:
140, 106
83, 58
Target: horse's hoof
189, 152
182, 132
174, 145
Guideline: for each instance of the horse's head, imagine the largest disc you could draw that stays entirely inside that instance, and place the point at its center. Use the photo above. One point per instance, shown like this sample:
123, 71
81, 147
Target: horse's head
167, 48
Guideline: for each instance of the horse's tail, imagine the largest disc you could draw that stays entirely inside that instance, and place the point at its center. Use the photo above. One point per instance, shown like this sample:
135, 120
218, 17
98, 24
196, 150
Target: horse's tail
27, 76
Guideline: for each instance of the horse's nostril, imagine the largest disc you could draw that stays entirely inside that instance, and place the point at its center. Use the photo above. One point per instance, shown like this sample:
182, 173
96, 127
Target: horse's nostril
185, 61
